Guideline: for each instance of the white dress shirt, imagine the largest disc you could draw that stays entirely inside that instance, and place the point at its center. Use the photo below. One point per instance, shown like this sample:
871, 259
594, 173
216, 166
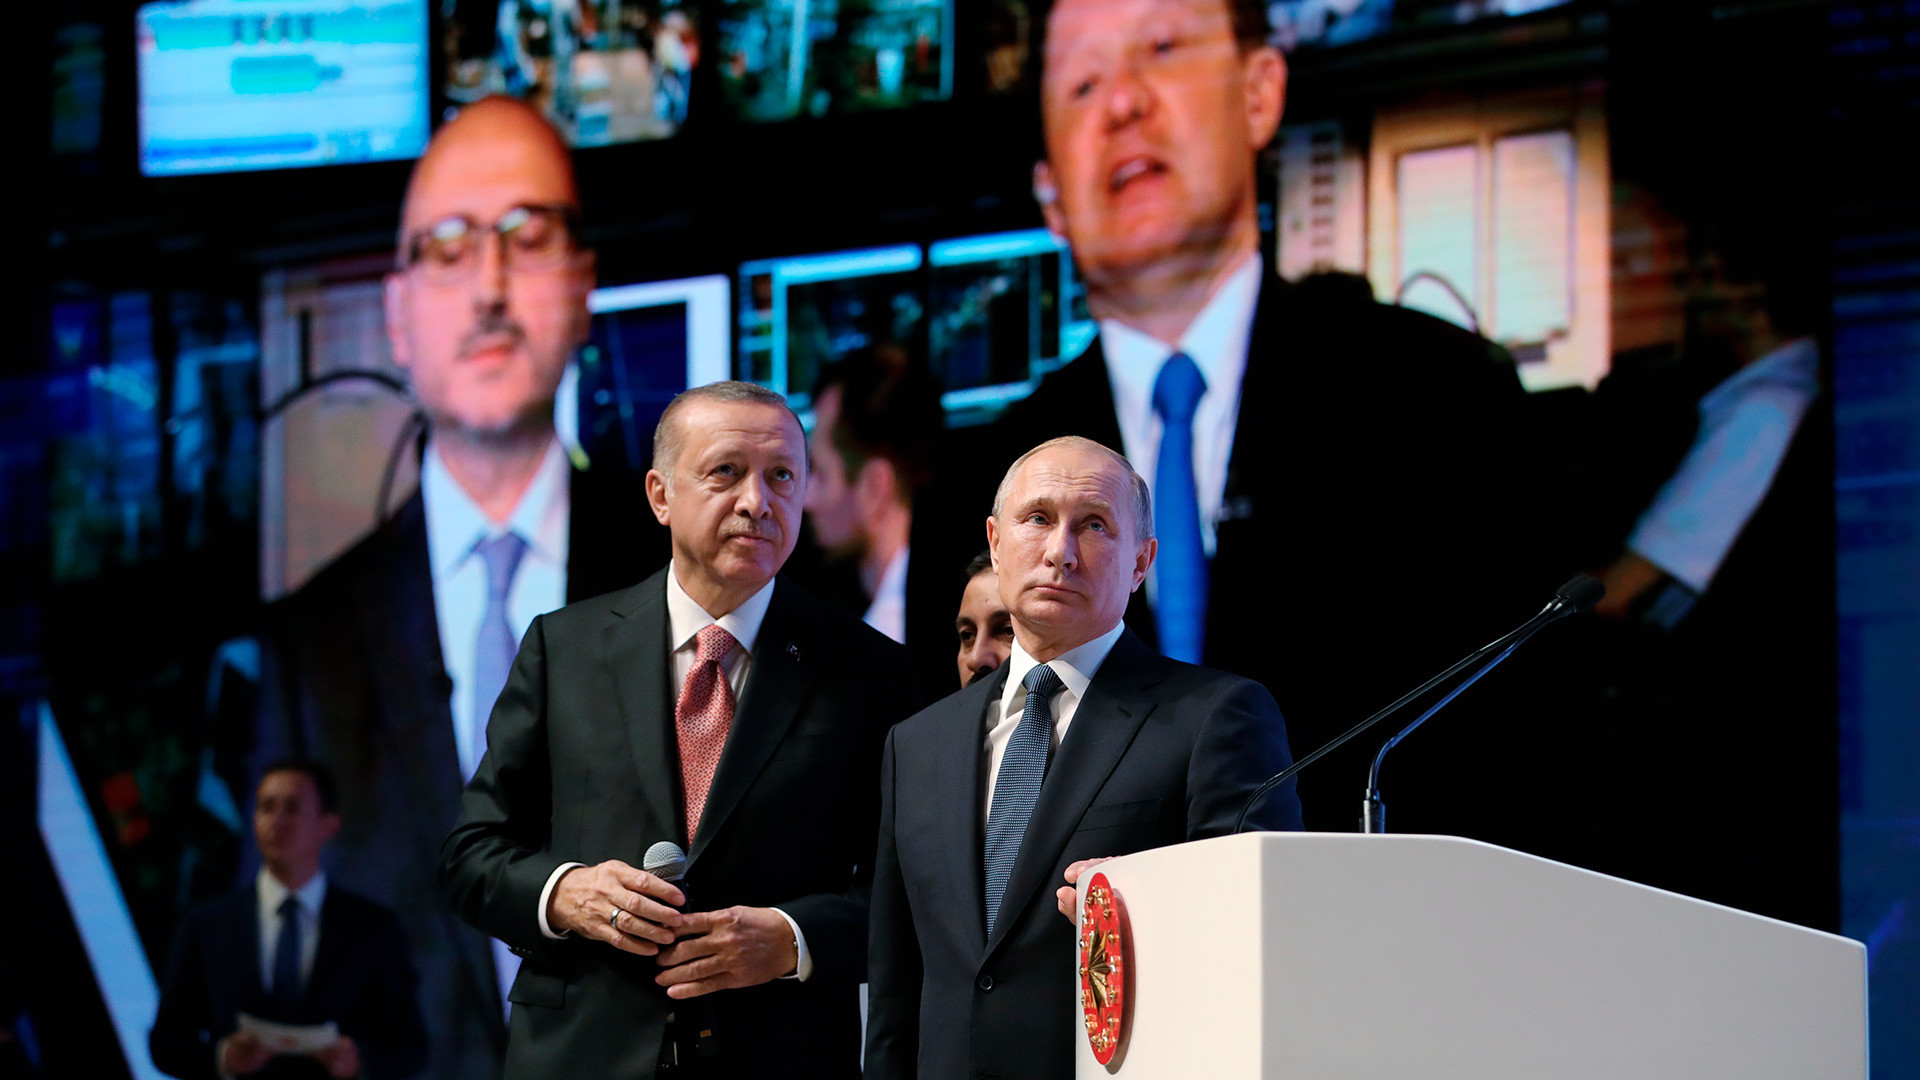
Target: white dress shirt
1746, 424
1216, 341
455, 527
685, 619
272, 894
1075, 667
888, 611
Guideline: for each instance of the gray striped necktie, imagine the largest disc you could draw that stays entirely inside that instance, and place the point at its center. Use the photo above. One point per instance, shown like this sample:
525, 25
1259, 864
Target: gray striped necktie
1022, 769
494, 647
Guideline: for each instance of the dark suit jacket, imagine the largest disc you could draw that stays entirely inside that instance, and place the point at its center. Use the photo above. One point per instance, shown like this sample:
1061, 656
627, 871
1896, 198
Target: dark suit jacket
1375, 525
581, 767
362, 980
354, 677
1159, 752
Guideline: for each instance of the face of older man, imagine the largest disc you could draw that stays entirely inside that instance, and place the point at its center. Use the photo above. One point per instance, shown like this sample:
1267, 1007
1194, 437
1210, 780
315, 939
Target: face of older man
1153, 118
733, 501
491, 299
984, 627
1066, 549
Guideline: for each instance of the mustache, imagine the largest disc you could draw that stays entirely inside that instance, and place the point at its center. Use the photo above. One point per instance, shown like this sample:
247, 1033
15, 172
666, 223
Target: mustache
740, 527
494, 324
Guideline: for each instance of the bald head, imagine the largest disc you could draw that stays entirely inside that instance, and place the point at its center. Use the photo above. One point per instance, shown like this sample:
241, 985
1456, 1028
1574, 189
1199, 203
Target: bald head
498, 152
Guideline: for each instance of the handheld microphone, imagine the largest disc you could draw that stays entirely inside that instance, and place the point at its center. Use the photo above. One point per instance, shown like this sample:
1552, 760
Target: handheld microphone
1576, 596
666, 861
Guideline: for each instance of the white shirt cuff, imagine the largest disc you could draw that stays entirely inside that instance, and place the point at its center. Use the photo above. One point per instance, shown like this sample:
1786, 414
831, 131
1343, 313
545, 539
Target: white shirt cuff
546, 893
803, 967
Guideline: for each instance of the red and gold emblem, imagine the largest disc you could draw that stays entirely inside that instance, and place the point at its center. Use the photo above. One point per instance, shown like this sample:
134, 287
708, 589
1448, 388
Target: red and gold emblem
1104, 967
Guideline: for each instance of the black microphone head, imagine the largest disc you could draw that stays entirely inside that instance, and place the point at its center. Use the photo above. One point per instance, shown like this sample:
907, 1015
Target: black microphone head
665, 861
1581, 593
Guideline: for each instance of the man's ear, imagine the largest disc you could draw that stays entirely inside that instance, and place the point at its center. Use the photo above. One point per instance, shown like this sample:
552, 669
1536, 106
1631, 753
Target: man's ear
1143, 560
1046, 192
394, 308
657, 495
329, 824
993, 544
1266, 92
878, 483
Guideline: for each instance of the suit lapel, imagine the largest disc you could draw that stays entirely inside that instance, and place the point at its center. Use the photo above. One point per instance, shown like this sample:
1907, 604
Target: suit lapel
959, 785
636, 653
332, 939
1103, 727
776, 688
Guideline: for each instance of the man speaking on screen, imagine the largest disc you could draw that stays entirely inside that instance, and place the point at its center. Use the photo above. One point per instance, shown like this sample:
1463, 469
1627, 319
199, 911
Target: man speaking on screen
1334, 480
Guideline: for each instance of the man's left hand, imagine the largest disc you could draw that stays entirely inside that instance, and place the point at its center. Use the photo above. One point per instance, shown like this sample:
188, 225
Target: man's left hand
1068, 897
342, 1059
724, 950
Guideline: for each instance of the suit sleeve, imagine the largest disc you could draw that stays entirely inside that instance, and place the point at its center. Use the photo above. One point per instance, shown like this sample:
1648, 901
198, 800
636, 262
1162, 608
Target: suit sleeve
894, 965
181, 1041
397, 1047
835, 924
1242, 742
494, 865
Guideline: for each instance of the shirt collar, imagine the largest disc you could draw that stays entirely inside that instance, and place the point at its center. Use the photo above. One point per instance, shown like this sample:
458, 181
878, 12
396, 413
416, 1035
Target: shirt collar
1076, 667
456, 524
273, 892
1216, 340
1795, 364
685, 617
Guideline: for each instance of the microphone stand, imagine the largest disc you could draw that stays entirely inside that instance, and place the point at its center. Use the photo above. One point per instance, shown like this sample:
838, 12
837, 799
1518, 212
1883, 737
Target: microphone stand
1572, 598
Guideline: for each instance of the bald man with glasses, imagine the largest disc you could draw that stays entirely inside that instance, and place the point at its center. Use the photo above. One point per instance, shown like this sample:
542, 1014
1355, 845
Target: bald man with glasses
386, 665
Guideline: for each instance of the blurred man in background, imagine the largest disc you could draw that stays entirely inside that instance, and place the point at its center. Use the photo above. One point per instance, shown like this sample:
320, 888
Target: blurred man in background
291, 949
1337, 484
386, 664
877, 431
984, 626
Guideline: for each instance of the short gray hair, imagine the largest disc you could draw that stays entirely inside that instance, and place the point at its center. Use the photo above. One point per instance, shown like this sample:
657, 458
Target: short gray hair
668, 437
1142, 500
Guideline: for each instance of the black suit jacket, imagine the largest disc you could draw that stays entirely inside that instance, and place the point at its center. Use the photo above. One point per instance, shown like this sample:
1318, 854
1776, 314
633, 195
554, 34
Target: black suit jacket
581, 767
1159, 752
362, 980
1376, 525
353, 676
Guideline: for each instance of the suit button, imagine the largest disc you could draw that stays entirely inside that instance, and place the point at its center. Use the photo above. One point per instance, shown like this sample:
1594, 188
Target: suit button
985, 983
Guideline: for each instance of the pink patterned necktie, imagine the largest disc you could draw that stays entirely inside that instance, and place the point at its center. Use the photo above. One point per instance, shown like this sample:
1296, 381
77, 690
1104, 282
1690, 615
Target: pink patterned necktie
702, 717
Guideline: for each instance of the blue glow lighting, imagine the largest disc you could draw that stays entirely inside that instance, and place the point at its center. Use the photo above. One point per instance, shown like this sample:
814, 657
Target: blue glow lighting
898, 259
1011, 245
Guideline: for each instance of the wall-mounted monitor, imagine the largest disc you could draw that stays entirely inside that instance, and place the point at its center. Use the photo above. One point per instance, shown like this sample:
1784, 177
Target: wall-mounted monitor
229, 85
785, 58
798, 314
1003, 310
648, 342
604, 71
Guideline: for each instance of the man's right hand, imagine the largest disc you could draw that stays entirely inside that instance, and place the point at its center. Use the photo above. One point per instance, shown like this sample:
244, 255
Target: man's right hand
242, 1053
617, 904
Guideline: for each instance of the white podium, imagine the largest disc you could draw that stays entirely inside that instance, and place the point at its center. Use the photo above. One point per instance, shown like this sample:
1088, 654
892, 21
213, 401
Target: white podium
1330, 956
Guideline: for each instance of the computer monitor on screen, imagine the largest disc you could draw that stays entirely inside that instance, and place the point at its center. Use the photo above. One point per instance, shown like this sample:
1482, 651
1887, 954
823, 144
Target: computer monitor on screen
229, 85
1003, 310
648, 342
800, 313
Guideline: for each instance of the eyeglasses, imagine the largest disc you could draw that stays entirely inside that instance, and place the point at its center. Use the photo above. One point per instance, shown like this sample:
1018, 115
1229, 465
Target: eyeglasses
532, 237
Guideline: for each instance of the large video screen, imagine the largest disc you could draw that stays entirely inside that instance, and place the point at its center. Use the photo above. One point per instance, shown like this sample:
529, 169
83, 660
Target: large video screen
785, 58
231, 85
603, 71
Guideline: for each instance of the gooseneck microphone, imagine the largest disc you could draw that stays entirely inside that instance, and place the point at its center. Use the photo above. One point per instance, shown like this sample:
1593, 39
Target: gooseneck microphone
1576, 596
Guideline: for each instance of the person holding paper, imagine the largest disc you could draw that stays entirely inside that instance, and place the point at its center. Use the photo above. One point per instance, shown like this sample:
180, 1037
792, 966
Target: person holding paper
290, 977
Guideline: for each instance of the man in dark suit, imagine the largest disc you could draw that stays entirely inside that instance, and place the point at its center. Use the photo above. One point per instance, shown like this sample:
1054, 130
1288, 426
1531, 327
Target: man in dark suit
618, 729
387, 663
1086, 744
1339, 483
294, 949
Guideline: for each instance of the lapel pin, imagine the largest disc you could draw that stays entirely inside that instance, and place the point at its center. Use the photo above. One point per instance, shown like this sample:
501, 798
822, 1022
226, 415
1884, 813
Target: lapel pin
793, 651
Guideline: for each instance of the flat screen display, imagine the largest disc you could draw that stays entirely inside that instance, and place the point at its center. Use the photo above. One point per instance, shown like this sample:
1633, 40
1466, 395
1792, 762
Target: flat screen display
229, 85
785, 58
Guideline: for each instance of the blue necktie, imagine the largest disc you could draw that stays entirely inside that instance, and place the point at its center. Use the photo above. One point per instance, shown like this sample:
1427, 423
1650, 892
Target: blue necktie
286, 956
493, 652
1180, 606
1022, 769
496, 644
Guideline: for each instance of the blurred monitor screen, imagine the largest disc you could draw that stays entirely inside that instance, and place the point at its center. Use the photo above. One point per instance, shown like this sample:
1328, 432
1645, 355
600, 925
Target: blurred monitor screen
799, 314
257, 84
786, 58
648, 342
1003, 310
1314, 23
604, 71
